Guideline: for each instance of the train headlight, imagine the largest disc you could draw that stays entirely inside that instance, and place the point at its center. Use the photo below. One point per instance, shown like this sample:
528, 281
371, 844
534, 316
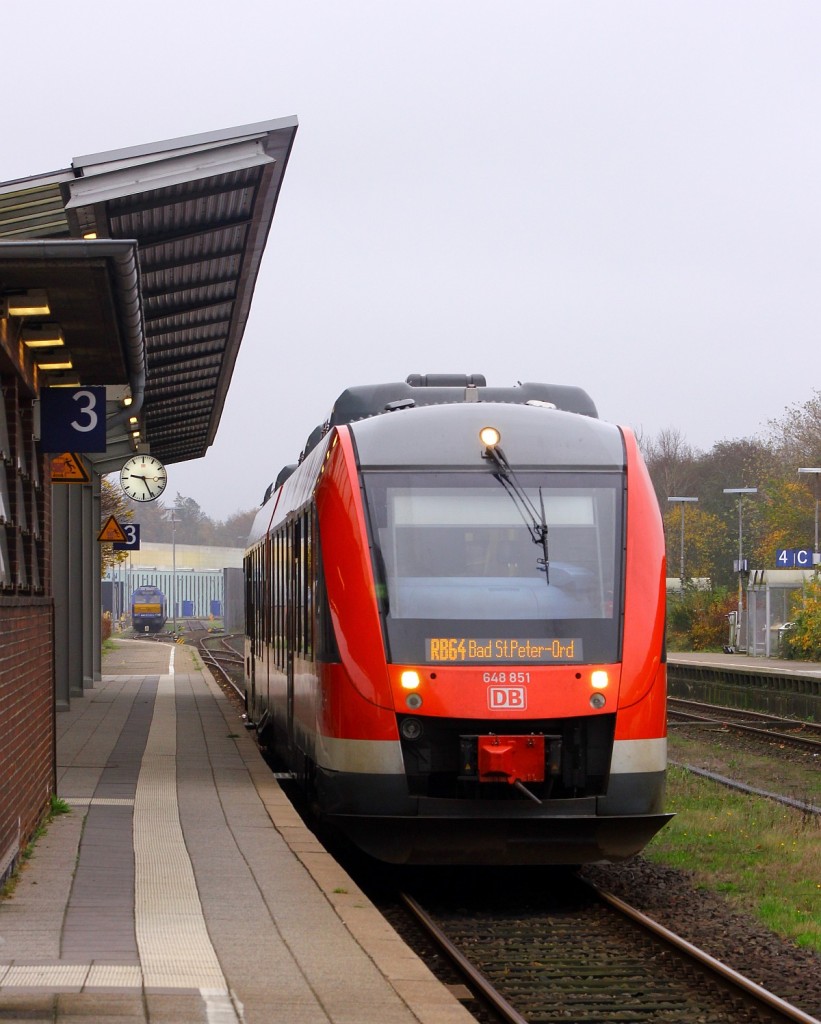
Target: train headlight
599, 680
598, 700
489, 436
410, 680
414, 701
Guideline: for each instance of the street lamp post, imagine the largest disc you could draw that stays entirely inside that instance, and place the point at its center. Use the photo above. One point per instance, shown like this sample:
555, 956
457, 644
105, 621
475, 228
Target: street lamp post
816, 472
740, 491
682, 502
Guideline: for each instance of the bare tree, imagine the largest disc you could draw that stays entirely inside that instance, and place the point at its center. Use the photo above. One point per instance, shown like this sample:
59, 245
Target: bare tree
672, 463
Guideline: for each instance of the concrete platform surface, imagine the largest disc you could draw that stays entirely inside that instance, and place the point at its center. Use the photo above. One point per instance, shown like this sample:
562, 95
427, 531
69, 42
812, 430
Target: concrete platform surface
182, 887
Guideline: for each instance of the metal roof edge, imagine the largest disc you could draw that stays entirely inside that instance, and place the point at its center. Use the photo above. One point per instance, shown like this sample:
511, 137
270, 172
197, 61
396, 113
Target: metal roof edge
132, 179
36, 181
185, 142
69, 248
247, 286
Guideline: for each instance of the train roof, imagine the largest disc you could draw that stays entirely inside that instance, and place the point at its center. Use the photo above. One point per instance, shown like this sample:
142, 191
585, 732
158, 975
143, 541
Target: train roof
368, 400
447, 436
357, 403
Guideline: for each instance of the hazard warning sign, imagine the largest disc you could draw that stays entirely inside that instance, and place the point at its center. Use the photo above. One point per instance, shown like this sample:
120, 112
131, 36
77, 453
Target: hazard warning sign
112, 531
68, 468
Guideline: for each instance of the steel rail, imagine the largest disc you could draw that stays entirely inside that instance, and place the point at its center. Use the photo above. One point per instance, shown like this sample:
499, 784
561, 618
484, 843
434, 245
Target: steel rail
749, 988
742, 714
475, 978
212, 660
742, 787
789, 739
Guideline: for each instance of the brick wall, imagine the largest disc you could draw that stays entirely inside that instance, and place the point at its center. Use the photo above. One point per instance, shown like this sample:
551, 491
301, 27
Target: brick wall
26, 721
27, 704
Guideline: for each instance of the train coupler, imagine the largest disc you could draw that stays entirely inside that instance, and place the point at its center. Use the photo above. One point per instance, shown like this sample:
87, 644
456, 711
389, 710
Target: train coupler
514, 760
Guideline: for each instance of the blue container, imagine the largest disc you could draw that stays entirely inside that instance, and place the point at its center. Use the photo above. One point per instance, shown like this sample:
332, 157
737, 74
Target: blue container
187, 609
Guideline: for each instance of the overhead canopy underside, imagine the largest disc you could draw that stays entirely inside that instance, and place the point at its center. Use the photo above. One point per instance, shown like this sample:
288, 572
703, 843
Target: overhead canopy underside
200, 209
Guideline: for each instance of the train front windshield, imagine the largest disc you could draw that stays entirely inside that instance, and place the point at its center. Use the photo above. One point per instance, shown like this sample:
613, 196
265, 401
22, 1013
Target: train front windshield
469, 573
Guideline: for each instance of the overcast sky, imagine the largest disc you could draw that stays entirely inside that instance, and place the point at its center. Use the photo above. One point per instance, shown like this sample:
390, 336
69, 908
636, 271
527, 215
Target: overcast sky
617, 194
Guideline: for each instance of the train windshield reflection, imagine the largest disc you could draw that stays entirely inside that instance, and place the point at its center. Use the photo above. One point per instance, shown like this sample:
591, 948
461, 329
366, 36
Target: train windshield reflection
455, 547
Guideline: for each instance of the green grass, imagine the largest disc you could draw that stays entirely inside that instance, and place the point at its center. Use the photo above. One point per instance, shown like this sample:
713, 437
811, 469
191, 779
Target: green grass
762, 855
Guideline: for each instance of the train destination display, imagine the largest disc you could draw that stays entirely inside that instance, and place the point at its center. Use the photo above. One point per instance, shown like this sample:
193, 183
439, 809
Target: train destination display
462, 649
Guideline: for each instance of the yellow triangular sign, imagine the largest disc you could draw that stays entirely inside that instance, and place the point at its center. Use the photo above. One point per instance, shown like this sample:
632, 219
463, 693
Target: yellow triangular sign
68, 468
113, 531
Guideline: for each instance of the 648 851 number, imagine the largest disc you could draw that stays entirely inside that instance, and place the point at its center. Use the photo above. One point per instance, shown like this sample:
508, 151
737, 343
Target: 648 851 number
505, 677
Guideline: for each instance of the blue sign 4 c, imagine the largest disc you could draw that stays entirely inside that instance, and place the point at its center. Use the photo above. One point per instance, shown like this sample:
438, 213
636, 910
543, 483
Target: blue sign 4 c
794, 558
72, 419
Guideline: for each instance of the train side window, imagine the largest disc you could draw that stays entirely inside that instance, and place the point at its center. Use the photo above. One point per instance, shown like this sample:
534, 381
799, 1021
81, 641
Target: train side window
266, 575
246, 565
300, 599
282, 565
308, 583
324, 636
293, 592
258, 581
275, 642
275, 602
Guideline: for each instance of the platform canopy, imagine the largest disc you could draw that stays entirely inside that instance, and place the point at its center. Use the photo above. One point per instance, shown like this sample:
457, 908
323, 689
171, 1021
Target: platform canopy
197, 212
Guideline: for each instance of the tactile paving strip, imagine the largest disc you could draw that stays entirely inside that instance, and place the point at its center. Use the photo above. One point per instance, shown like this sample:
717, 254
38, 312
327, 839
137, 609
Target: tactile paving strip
175, 949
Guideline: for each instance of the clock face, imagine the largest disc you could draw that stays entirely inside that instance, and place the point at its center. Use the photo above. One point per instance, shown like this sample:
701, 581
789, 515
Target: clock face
143, 478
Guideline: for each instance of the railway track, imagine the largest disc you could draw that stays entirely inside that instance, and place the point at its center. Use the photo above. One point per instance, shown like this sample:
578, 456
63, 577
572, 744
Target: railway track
801, 735
220, 654
587, 956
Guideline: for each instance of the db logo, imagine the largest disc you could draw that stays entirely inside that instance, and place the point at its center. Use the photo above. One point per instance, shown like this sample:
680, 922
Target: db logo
506, 697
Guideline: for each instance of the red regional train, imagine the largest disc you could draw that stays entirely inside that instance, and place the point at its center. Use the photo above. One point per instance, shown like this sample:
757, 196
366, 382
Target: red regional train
455, 626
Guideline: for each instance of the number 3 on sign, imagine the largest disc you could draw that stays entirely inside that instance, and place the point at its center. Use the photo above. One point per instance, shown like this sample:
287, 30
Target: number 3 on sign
73, 419
87, 410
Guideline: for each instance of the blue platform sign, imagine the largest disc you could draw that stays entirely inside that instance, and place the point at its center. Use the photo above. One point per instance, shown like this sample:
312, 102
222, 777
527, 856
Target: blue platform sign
72, 419
132, 542
794, 558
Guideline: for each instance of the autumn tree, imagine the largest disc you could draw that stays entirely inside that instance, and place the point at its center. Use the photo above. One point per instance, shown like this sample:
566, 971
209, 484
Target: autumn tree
796, 435
804, 639
703, 540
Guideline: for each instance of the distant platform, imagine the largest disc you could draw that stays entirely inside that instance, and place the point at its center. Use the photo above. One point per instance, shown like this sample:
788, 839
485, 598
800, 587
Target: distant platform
746, 663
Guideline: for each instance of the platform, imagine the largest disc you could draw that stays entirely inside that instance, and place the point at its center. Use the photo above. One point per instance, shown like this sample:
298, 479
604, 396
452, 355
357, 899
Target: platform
746, 663
182, 887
